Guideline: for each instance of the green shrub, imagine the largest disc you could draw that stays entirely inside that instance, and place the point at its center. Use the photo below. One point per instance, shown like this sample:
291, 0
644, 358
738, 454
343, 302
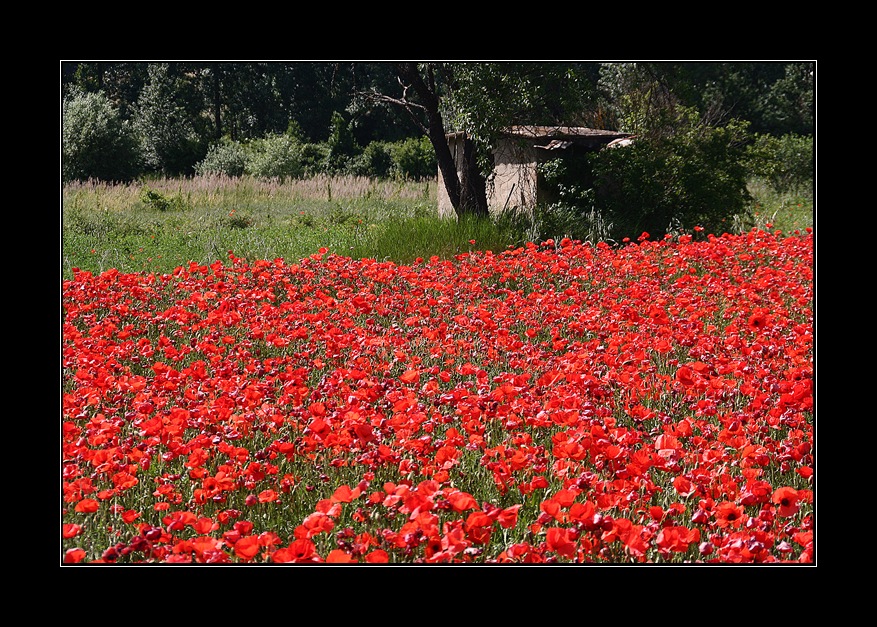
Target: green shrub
227, 157
95, 142
376, 161
665, 182
313, 158
413, 158
341, 145
275, 156
787, 163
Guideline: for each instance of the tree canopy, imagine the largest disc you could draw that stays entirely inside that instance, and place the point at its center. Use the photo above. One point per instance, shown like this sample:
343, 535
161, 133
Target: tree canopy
175, 115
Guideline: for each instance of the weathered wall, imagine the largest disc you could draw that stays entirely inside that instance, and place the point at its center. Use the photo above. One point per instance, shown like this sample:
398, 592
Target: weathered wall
514, 182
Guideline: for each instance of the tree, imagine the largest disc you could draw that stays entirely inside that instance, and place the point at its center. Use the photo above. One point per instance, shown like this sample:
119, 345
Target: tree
95, 141
480, 100
165, 117
421, 98
341, 144
776, 98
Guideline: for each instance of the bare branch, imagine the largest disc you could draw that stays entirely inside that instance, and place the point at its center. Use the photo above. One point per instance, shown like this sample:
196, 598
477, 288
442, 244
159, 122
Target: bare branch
402, 102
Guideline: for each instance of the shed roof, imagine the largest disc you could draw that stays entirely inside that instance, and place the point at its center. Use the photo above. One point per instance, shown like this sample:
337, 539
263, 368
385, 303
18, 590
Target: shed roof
562, 132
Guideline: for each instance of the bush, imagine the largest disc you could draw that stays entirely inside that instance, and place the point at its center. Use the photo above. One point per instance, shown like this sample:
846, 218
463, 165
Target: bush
313, 158
275, 156
95, 142
287, 156
376, 161
786, 163
226, 157
341, 145
413, 158
663, 183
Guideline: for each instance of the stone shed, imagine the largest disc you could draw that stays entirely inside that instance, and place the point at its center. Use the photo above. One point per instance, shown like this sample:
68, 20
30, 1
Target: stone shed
516, 156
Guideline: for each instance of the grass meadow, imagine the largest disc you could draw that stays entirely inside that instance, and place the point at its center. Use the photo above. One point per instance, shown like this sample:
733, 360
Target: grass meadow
323, 372
159, 225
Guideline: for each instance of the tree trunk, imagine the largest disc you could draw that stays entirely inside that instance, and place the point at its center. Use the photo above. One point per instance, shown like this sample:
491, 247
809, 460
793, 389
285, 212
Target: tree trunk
468, 194
473, 186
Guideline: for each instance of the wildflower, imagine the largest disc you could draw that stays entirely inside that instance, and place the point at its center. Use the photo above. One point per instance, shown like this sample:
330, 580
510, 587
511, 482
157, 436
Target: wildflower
786, 499
729, 514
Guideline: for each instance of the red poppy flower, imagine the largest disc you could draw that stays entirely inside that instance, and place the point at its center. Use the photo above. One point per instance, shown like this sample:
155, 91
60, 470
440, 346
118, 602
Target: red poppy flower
758, 320
338, 556
729, 514
677, 538
378, 556
70, 530
247, 547
301, 550
410, 376
343, 494
558, 540
685, 376
683, 485
508, 517
205, 546
87, 506
787, 500
267, 496
74, 556
204, 525
461, 501
314, 524
478, 527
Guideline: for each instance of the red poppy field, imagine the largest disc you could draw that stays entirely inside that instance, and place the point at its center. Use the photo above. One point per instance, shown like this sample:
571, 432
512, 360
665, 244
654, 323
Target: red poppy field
551, 404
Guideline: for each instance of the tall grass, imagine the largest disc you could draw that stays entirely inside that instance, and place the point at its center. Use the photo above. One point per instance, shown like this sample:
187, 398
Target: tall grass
160, 224
786, 212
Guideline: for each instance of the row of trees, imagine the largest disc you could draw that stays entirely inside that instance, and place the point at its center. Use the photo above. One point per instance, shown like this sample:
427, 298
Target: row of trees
123, 119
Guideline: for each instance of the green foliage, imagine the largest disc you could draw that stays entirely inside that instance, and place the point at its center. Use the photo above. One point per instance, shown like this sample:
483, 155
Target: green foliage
776, 98
171, 144
285, 156
696, 177
375, 161
226, 157
666, 182
95, 141
313, 158
275, 156
162, 202
787, 163
341, 144
408, 159
413, 158
791, 102
483, 98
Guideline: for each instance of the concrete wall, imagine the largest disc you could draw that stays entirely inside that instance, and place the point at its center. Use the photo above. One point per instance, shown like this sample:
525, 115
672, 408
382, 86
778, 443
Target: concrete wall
514, 182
